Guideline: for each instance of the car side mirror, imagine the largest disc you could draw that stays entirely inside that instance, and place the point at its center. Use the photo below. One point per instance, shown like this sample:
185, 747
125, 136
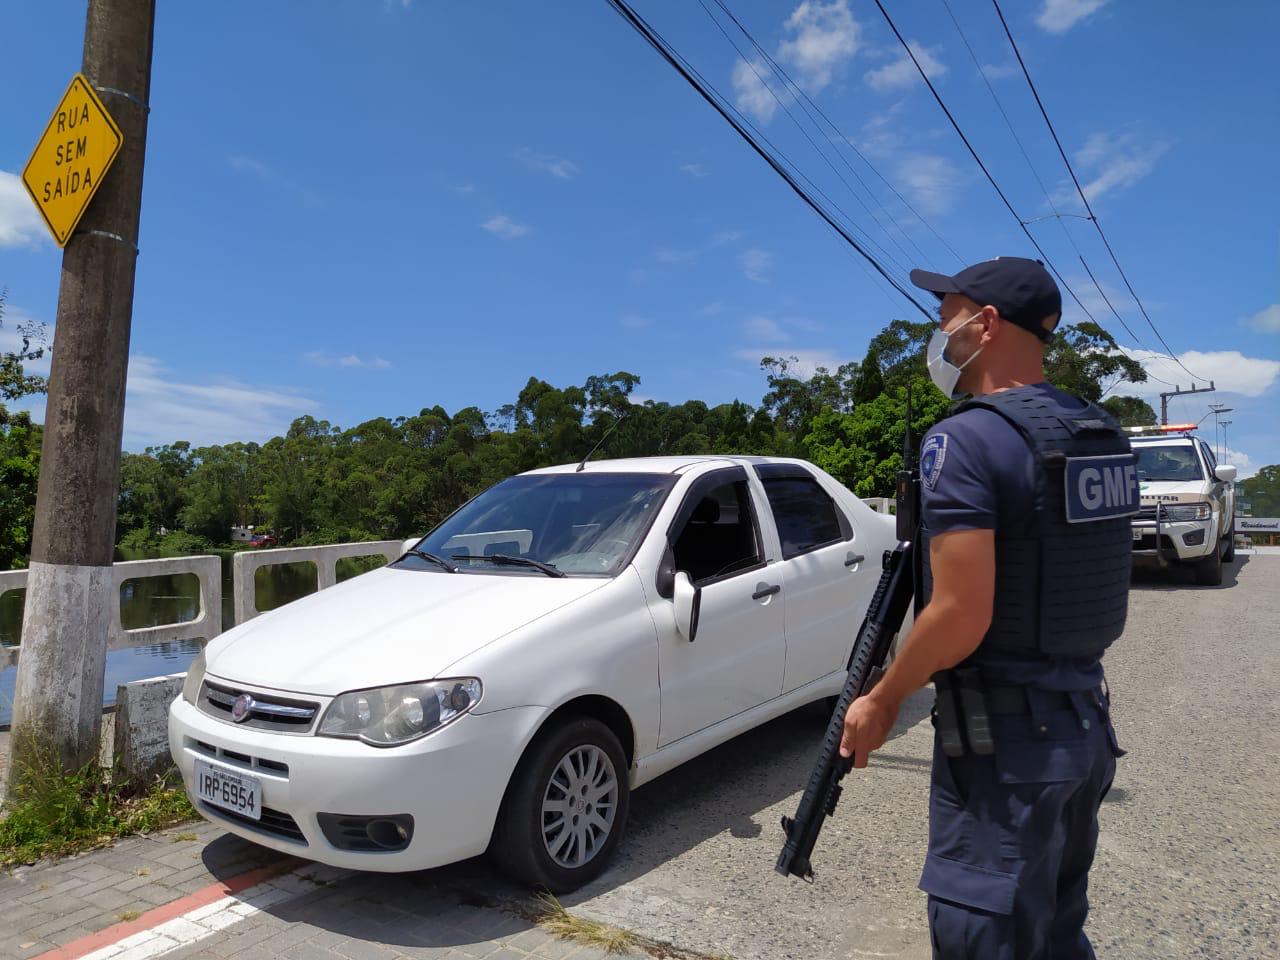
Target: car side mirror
1225, 473
688, 603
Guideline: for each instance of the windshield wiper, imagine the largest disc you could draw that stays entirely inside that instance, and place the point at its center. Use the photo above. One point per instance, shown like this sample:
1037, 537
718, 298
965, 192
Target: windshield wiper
505, 558
439, 561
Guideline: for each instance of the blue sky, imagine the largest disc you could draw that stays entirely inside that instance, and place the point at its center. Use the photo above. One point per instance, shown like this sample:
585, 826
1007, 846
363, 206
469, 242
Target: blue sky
362, 208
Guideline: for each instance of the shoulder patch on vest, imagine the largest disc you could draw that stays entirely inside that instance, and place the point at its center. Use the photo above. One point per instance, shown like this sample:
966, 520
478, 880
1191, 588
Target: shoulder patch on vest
932, 454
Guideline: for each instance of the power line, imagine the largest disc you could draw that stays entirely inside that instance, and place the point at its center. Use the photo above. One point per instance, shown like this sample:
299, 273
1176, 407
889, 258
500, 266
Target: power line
812, 108
1080, 190
978, 160
1057, 214
713, 97
884, 253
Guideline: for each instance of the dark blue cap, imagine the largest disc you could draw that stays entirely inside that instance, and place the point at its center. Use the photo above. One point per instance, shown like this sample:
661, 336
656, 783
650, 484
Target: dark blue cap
1021, 289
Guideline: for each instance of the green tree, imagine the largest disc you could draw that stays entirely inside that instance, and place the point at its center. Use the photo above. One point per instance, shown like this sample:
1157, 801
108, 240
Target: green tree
1262, 491
19, 445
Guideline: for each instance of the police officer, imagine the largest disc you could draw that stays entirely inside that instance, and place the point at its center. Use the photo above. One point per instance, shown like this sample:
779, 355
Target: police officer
1026, 496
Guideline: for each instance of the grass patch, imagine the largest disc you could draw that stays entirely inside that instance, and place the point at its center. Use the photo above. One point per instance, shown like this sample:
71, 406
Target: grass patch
556, 920
52, 814
185, 836
129, 915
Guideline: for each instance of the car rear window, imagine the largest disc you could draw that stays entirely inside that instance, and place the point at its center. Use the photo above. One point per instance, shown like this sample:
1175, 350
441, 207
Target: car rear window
806, 515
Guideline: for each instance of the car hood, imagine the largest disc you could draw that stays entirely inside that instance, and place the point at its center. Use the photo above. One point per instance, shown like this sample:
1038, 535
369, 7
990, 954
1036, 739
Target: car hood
1172, 491
387, 626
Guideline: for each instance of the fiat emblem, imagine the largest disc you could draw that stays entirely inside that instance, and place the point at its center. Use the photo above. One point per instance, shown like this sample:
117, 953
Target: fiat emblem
241, 709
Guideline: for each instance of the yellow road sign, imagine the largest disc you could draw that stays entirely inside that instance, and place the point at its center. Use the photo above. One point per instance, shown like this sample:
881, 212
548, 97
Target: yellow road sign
68, 164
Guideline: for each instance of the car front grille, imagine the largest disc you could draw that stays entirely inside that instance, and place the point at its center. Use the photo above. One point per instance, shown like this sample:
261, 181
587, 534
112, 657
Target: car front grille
277, 823
267, 711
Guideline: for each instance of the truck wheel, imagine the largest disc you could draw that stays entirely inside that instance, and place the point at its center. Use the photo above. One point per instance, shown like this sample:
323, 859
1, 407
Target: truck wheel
1230, 554
566, 807
1209, 569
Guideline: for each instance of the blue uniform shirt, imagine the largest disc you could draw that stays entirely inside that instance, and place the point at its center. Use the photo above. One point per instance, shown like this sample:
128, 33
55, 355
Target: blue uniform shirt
976, 473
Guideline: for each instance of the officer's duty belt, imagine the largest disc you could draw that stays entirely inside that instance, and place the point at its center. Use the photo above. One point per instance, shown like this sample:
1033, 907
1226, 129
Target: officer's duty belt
964, 707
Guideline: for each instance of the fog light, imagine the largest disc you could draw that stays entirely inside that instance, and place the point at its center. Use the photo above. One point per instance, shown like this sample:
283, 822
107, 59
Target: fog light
1194, 538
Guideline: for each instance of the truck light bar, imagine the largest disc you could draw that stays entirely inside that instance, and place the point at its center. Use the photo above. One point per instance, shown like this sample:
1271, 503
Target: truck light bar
1167, 428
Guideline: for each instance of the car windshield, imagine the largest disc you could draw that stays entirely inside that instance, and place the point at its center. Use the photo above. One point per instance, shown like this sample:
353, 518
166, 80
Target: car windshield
1168, 462
579, 523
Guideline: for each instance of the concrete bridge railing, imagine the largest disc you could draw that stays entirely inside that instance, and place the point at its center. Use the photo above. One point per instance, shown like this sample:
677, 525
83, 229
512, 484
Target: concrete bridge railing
206, 625
247, 563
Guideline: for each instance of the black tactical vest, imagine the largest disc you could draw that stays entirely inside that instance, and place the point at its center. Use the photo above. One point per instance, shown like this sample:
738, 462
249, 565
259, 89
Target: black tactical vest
1062, 581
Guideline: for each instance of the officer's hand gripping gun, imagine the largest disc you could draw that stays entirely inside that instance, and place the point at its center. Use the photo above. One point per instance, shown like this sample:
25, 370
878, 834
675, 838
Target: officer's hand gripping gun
894, 593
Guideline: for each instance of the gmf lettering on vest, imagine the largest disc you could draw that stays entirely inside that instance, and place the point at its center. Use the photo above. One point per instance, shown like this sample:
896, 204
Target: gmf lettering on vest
72, 157
1098, 488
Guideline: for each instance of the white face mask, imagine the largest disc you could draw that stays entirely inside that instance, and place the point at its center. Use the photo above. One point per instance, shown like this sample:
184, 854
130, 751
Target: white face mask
942, 371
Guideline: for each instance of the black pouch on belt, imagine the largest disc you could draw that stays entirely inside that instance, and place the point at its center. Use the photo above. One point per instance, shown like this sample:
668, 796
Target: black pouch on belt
947, 714
977, 725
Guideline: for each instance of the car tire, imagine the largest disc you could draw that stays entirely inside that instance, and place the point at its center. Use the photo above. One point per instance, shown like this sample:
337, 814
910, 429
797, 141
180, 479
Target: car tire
1229, 555
1209, 569
565, 764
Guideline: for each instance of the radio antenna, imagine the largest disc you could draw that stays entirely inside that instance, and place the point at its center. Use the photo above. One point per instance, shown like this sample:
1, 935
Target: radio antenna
583, 464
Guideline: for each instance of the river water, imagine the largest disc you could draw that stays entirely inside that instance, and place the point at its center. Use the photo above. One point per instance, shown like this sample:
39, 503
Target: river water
154, 601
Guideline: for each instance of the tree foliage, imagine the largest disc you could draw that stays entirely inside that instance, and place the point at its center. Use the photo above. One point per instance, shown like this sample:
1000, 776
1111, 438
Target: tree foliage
19, 446
394, 478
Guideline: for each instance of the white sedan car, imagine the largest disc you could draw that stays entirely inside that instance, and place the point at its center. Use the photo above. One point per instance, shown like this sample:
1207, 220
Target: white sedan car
563, 638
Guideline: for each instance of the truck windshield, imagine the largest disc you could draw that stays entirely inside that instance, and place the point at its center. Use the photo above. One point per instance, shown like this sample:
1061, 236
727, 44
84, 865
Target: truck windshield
579, 523
1168, 463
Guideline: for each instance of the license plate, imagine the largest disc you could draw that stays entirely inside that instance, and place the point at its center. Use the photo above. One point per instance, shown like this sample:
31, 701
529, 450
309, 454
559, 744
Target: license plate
231, 790
1137, 534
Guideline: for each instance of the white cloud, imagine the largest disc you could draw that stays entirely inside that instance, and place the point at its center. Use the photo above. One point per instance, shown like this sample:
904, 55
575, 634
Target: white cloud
806, 361
674, 255
725, 236
1230, 370
711, 309
931, 180
1059, 16
901, 74
1113, 163
1000, 71
764, 329
1267, 319
556, 166
822, 37
161, 409
320, 359
464, 189
20, 222
633, 321
695, 170
755, 263
1245, 467
504, 227
274, 178
825, 36
751, 84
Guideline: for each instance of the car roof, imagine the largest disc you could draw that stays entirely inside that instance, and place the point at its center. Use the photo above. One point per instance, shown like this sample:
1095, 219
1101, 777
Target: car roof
659, 464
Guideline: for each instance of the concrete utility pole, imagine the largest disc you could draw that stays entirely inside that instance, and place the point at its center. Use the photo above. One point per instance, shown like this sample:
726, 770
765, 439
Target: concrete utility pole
58, 699
1178, 392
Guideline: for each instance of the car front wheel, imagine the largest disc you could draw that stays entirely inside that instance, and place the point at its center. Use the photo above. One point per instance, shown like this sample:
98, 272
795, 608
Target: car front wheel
1209, 569
566, 807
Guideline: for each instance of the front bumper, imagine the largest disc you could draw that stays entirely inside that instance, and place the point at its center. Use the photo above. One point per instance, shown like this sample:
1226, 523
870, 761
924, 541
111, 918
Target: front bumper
1181, 541
451, 782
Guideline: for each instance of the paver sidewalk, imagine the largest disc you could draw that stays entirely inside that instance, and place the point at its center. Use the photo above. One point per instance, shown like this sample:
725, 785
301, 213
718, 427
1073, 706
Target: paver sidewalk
93, 906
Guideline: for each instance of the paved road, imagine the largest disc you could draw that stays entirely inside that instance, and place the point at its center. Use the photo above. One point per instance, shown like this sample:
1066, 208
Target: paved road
1186, 868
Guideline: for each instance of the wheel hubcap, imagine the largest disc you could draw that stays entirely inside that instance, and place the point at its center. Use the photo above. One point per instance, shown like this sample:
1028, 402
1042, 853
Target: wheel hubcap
579, 805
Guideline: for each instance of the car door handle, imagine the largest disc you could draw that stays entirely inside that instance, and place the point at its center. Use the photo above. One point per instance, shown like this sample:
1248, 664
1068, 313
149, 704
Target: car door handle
853, 559
764, 590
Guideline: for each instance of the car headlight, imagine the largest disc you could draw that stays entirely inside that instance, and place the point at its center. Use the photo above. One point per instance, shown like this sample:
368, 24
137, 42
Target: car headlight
389, 716
195, 677
1188, 511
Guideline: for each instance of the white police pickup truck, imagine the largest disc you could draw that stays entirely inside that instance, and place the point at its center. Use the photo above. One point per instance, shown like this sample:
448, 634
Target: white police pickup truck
1188, 502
